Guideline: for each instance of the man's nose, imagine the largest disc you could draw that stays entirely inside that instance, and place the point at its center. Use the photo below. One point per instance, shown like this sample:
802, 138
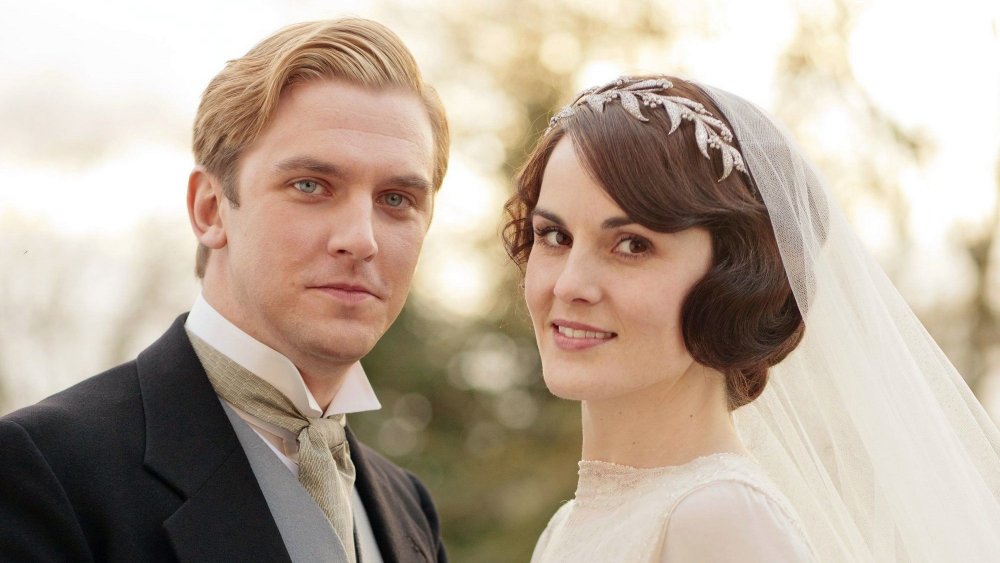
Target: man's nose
353, 233
578, 280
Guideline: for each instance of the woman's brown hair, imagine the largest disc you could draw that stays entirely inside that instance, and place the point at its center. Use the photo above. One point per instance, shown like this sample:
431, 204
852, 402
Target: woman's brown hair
741, 317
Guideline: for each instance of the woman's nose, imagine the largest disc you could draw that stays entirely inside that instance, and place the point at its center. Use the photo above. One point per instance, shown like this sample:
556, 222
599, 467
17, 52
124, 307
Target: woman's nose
578, 280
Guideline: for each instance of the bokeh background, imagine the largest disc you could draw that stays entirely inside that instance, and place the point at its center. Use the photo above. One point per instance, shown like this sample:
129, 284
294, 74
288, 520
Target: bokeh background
897, 101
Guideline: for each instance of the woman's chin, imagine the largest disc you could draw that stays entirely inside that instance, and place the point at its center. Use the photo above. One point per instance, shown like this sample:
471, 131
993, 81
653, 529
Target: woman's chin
576, 389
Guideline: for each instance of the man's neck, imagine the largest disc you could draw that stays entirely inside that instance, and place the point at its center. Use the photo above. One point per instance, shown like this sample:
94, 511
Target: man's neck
326, 387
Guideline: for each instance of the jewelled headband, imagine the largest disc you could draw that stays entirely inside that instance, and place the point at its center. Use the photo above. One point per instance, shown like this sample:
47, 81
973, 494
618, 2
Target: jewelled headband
708, 130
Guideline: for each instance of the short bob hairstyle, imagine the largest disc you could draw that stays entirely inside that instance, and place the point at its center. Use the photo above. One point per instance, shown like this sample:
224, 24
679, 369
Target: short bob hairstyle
240, 100
741, 317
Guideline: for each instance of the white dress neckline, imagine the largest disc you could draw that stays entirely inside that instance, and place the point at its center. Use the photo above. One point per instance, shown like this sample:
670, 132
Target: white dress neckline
621, 513
606, 481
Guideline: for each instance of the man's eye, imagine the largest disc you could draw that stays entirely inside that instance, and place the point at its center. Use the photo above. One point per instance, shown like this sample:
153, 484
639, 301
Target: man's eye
395, 200
306, 186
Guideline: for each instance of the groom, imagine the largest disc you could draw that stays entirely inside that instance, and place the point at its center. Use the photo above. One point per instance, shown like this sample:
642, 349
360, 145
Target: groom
318, 157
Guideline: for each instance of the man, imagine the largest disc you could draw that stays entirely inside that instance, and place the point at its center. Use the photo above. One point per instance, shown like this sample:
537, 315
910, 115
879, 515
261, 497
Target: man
318, 157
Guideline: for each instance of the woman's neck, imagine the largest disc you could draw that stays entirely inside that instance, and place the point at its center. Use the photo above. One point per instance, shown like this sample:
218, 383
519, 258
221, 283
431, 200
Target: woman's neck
667, 424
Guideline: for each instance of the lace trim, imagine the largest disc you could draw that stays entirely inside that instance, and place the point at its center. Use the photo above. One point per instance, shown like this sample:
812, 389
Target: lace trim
610, 484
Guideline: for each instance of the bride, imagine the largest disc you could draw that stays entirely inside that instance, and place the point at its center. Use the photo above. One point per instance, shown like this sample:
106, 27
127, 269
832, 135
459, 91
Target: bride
752, 386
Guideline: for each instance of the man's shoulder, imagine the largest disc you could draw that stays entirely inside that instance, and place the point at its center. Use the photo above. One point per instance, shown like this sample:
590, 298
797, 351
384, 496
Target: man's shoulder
390, 492
379, 472
98, 408
103, 406
88, 402
388, 470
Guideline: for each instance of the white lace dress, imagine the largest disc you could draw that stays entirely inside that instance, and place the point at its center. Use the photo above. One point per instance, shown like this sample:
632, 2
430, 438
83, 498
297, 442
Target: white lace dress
718, 508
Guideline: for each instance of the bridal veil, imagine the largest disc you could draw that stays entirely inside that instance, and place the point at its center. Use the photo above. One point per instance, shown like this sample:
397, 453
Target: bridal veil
866, 426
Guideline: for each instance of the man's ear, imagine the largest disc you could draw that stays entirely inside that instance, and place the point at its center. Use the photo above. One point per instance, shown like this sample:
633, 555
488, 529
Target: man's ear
204, 203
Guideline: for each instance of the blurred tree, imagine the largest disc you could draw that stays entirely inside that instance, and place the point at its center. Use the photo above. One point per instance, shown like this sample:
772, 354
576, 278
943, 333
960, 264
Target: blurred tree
983, 346
73, 306
815, 79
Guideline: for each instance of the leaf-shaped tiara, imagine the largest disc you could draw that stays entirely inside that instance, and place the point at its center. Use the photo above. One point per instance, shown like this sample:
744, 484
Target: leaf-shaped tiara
708, 130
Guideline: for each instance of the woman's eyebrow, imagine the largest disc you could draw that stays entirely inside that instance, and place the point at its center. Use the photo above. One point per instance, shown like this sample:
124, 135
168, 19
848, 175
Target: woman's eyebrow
548, 215
616, 222
610, 223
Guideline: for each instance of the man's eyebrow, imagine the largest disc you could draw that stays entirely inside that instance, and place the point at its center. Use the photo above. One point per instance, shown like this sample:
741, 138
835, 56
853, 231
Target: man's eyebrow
610, 223
308, 163
411, 182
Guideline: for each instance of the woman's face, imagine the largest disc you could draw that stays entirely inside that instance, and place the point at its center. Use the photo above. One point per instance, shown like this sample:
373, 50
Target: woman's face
604, 293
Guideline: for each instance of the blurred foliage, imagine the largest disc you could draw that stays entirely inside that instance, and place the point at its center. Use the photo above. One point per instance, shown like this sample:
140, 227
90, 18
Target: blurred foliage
817, 62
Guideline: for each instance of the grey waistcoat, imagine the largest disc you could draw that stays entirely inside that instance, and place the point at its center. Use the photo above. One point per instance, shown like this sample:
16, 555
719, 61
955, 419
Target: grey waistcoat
304, 528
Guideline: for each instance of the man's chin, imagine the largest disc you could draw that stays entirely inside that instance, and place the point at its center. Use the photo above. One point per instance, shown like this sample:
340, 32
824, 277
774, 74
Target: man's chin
325, 343
342, 346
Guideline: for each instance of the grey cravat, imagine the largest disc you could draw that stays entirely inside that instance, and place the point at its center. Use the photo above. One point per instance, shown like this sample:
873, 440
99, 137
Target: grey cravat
325, 467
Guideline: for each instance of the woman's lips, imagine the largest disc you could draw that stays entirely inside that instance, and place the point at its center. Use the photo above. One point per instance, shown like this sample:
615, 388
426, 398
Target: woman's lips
574, 333
570, 335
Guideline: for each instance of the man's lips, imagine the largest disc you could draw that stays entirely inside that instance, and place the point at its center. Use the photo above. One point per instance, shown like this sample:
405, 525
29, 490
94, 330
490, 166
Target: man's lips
350, 292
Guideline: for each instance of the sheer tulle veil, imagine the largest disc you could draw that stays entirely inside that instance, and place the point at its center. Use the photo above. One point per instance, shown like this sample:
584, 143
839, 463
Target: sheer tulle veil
866, 426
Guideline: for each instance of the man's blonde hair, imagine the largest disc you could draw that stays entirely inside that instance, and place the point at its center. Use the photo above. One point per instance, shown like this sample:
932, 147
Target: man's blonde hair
240, 100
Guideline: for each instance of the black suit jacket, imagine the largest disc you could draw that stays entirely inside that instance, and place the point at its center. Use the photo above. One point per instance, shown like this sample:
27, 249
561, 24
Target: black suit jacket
140, 463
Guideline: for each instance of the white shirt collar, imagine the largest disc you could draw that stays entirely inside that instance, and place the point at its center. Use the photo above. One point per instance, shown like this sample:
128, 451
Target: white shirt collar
355, 395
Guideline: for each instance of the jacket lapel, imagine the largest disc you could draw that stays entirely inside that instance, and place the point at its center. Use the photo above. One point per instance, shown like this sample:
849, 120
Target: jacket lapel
191, 446
400, 539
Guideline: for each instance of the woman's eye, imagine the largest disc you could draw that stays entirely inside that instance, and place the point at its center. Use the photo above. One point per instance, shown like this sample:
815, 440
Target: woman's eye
395, 200
555, 238
632, 246
306, 186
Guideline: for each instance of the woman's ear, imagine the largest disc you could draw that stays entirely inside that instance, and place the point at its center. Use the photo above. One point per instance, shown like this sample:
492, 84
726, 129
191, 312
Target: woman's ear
204, 202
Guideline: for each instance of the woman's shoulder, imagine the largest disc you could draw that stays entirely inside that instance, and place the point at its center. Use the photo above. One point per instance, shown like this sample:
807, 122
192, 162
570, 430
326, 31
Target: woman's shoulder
733, 513
557, 520
729, 474
730, 502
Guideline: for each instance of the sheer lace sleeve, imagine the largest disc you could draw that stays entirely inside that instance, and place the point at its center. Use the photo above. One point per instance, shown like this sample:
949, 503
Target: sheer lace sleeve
732, 521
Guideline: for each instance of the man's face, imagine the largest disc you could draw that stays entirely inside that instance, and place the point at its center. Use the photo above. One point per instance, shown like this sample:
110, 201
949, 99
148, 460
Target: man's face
335, 198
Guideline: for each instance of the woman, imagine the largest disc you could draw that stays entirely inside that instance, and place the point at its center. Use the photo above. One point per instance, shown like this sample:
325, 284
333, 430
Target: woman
676, 247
